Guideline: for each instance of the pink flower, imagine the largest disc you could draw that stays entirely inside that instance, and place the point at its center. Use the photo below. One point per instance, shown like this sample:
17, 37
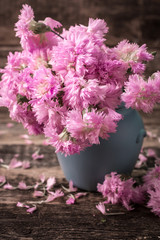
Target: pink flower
69, 86
116, 191
152, 176
154, 201
45, 85
26, 24
140, 94
97, 26
133, 55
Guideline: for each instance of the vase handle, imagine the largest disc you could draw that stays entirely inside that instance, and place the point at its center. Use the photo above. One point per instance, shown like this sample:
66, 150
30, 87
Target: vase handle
141, 135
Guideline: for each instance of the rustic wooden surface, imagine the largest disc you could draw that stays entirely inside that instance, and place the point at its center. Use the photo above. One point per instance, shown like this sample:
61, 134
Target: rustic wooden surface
136, 20
56, 220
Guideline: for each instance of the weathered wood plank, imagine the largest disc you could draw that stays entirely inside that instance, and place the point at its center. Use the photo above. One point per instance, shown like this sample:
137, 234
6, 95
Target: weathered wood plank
58, 221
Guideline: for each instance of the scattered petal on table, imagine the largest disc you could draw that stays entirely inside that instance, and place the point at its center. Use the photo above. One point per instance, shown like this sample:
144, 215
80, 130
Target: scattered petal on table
2, 179
26, 164
50, 182
22, 185
142, 159
24, 136
8, 186
151, 153
42, 178
53, 195
19, 204
36, 155
80, 194
70, 200
101, 207
46, 142
38, 194
28, 142
9, 125
32, 209
15, 163
71, 187
151, 134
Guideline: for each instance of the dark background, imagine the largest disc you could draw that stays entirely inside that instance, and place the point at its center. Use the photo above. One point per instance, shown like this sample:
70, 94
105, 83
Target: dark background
135, 20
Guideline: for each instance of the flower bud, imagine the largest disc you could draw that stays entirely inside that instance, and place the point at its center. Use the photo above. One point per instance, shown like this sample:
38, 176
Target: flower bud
38, 27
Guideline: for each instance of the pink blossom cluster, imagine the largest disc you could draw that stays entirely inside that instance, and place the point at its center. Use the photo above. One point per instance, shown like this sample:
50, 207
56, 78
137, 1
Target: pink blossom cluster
152, 187
69, 86
117, 190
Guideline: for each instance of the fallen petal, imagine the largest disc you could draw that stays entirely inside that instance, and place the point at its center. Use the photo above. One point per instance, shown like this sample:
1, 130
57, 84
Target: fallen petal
38, 194
151, 134
142, 159
22, 185
70, 200
8, 186
50, 198
15, 164
2, 179
26, 164
80, 194
19, 204
50, 182
42, 178
24, 136
28, 142
151, 153
71, 187
36, 155
32, 209
9, 125
101, 207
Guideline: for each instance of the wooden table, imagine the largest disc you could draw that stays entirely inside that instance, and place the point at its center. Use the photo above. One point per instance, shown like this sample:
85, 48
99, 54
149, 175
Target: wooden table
56, 220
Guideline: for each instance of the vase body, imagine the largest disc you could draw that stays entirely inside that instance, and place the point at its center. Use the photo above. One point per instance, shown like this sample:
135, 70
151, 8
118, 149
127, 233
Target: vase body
117, 154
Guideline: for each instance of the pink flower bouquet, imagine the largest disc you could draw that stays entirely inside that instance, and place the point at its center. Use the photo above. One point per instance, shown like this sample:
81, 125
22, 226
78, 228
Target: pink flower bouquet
67, 86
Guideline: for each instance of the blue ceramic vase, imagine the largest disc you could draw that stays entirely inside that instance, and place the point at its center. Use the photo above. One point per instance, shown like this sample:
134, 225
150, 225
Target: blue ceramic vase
117, 154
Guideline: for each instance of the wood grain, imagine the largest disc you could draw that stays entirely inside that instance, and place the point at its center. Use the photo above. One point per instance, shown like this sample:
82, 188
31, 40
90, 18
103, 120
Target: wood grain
136, 20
